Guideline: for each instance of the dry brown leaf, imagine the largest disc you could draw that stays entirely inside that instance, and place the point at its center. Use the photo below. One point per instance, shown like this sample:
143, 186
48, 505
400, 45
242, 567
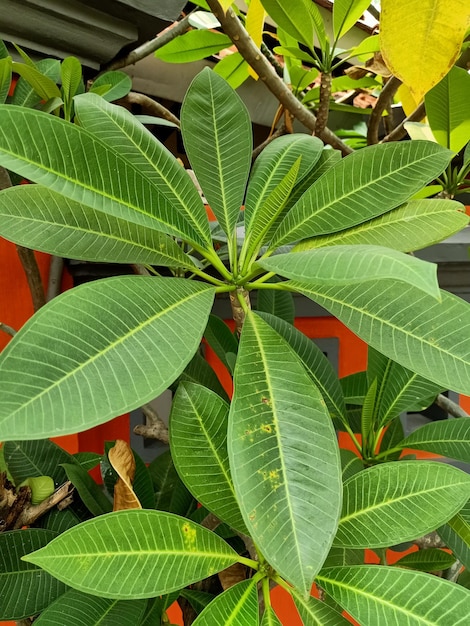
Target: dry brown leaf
122, 459
232, 575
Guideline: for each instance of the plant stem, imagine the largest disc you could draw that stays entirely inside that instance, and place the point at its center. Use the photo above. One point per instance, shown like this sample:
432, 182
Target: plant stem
450, 407
56, 270
33, 276
399, 132
150, 106
324, 104
240, 302
8, 329
382, 104
251, 563
254, 57
178, 28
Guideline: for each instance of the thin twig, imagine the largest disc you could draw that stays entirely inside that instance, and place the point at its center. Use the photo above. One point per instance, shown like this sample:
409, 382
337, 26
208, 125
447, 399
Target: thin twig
140, 270
8, 329
400, 131
150, 106
56, 270
272, 59
178, 28
33, 512
449, 406
282, 130
382, 104
255, 58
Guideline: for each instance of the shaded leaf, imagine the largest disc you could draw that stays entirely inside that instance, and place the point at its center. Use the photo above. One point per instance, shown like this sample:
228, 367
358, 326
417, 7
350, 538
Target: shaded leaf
220, 338
170, 492
44, 86
88, 460
91, 494
26, 590
351, 464
448, 438
24, 94
430, 560
200, 372
26, 459
149, 553
5, 78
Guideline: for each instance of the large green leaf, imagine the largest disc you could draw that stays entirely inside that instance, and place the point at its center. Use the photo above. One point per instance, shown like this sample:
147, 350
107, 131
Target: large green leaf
198, 436
200, 372
179, 205
134, 554
129, 334
326, 161
41, 219
26, 459
415, 225
395, 502
44, 86
317, 613
234, 69
283, 455
373, 594
352, 265
26, 589
193, 46
217, 137
447, 109
432, 341
238, 606
72, 161
24, 95
399, 389
79, 609
112, 85
318, 367
346, 13
170, 492
5, 78
449, 438
271, 168
361, 186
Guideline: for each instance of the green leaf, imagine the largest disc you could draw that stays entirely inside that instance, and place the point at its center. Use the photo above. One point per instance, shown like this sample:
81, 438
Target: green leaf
354, 388
3, 50
464, 579
318, 367
361, 186
220, 155
112, 85
198, 599
343, 556
432, 342
278, 303
24, 95
412, 226
391, 593
354, 265
143, 483
91, 494
193, 46
220, 338
447, 109
170, 492
200, 372
300, 20
346, 13
175, 191
71, 77
399, 389
368, 411
342, 83
198, 437
238, 606
41, 219
44, 86
234, 69
316, 613
26, 459
270, 618
5, 78
272, 177
278, 430
351, 464
456, 535
367, 47
60, 521
87, 460
81, 609
73, 348
447, 437
134, 554
26, 590
325, 162
396, 502
430, 560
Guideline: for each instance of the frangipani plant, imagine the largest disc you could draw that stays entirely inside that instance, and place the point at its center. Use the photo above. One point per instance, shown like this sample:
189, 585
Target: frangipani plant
267, 464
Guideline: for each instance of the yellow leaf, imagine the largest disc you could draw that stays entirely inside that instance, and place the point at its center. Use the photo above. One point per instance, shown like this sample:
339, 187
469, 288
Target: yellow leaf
407, 100
254, 25
121, 458
225, 4
421, 39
